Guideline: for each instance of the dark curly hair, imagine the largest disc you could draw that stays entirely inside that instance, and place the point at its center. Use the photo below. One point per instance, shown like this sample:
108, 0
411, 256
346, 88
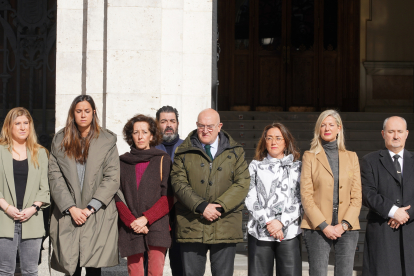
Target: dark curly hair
153, 128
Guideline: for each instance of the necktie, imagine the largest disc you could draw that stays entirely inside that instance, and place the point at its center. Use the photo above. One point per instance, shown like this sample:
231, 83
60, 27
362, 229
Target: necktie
397, 166
207, 148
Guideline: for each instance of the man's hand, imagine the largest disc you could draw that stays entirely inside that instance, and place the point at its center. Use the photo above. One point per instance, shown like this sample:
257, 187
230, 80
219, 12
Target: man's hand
401, 215
139, 223
274, 226
393, 224
77, 215
210, 213
331, 233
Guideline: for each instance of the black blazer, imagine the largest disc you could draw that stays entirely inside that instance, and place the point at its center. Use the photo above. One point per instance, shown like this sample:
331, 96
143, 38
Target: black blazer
381, 189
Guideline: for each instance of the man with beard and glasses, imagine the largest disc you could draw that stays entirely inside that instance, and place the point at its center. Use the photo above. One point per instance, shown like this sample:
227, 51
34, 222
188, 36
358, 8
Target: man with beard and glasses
167, 116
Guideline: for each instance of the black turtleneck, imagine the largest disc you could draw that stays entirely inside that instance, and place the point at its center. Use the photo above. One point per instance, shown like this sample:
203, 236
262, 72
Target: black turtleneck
169, 146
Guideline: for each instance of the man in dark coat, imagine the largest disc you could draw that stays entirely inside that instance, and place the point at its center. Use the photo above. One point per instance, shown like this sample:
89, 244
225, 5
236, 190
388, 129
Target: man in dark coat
388, 192
167, 116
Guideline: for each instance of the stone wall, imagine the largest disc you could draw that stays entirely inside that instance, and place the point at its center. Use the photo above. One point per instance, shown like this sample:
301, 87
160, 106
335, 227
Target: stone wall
134, 57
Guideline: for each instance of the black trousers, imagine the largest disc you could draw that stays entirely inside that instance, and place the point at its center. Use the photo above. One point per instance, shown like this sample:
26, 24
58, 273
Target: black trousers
262, 255
194, 256
90, 271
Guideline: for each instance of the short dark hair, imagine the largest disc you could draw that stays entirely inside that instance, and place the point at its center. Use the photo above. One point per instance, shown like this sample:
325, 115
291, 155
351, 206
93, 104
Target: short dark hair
290, 147
166, 109
153, 128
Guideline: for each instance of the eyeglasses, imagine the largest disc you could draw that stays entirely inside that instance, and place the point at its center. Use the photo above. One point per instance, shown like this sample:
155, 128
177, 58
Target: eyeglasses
278, 139
209, 127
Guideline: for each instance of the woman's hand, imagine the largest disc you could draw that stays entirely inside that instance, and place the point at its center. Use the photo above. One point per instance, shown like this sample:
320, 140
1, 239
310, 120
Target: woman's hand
144, 230
331, 232
77, 215
14, 213
279, 235
139, 223
274, 226
27, 213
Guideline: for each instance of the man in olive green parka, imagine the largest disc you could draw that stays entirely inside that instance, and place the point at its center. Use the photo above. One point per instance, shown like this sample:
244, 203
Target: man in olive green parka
210, 178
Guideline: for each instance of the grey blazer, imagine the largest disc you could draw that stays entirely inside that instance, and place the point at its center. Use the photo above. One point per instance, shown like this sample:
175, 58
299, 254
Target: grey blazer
37, 189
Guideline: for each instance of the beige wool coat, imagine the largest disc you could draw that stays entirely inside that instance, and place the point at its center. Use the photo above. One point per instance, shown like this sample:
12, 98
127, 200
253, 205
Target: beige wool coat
95, 243
317, 188
37, 189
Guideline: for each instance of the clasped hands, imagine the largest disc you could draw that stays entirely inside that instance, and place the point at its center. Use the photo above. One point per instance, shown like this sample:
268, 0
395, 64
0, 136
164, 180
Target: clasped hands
211, 213
140, 225
79, 215
22, 216
274, 227
333, 231
400, 217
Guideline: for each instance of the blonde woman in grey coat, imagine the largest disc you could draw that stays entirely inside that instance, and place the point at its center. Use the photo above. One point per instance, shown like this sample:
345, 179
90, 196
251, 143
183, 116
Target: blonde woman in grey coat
84, 177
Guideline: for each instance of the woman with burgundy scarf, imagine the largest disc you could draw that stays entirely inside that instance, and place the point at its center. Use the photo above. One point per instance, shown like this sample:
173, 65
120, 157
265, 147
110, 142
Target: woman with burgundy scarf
147, 200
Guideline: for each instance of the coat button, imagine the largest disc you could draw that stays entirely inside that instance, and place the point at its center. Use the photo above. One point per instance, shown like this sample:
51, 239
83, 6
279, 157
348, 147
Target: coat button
219, 168
202, 164
228, 156
340, 187
210, 183
202, 181
398, 201
340, 202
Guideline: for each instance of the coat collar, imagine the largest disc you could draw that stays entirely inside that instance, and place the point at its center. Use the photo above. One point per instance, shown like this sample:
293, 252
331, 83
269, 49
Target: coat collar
386, 161
7, 161
321, 157
343, 161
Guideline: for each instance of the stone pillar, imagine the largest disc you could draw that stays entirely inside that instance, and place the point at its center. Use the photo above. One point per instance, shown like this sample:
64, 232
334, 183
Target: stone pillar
134, 57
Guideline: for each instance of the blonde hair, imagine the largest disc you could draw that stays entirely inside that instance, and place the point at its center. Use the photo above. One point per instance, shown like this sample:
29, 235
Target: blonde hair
31, 140
316, 144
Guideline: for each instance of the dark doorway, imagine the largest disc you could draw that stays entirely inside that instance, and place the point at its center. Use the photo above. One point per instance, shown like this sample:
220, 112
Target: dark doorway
28, 61
281, 55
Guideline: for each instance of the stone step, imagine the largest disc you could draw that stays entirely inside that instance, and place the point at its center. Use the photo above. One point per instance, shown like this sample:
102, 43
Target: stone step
300, 125
239, 134
309, 116
352, 145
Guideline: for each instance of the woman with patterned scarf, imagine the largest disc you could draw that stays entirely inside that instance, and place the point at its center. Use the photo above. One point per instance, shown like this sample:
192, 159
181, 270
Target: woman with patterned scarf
274, 205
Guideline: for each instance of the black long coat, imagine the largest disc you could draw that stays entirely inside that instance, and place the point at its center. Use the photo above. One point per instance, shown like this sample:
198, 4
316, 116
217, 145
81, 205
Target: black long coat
381, 189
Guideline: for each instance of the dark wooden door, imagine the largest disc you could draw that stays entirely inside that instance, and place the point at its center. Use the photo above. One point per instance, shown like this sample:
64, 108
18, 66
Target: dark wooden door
279, 54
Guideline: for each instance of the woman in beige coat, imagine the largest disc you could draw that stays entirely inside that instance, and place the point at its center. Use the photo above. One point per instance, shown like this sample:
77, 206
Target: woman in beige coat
24, 192
331, 197
84, 177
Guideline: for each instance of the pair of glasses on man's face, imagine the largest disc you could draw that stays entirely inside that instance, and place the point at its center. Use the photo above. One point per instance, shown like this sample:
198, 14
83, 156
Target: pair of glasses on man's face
209, 127
278, 139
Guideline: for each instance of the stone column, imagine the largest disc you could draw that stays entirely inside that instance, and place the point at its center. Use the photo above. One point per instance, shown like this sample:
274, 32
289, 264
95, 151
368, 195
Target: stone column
134, 57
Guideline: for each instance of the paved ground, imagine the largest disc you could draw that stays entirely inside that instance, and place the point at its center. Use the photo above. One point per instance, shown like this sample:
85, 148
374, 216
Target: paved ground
240, 267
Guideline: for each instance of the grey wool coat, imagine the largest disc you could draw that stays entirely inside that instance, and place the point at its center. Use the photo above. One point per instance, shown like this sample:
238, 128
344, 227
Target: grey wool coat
94, 244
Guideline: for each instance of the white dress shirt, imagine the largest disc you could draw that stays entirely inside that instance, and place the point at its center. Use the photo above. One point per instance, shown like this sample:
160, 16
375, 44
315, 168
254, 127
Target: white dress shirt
214, 147
400, 160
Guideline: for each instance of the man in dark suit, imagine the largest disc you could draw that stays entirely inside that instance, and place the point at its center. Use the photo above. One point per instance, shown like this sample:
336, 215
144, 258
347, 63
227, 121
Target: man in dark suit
388, 191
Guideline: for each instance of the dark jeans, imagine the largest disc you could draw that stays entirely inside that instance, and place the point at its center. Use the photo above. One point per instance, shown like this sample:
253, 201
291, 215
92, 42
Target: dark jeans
29, 250
175, 256
319, 246
90, 271
262, 255
194, 256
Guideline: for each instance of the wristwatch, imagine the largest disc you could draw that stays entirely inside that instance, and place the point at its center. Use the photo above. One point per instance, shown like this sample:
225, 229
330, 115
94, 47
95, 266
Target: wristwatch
90, 208
37, 207
345, 226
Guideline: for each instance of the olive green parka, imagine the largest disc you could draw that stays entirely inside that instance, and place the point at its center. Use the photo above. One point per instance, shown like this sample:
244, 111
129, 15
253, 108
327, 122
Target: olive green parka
196, 179
95, 243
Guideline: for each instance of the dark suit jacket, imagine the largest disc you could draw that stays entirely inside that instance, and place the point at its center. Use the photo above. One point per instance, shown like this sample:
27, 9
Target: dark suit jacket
381, 189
